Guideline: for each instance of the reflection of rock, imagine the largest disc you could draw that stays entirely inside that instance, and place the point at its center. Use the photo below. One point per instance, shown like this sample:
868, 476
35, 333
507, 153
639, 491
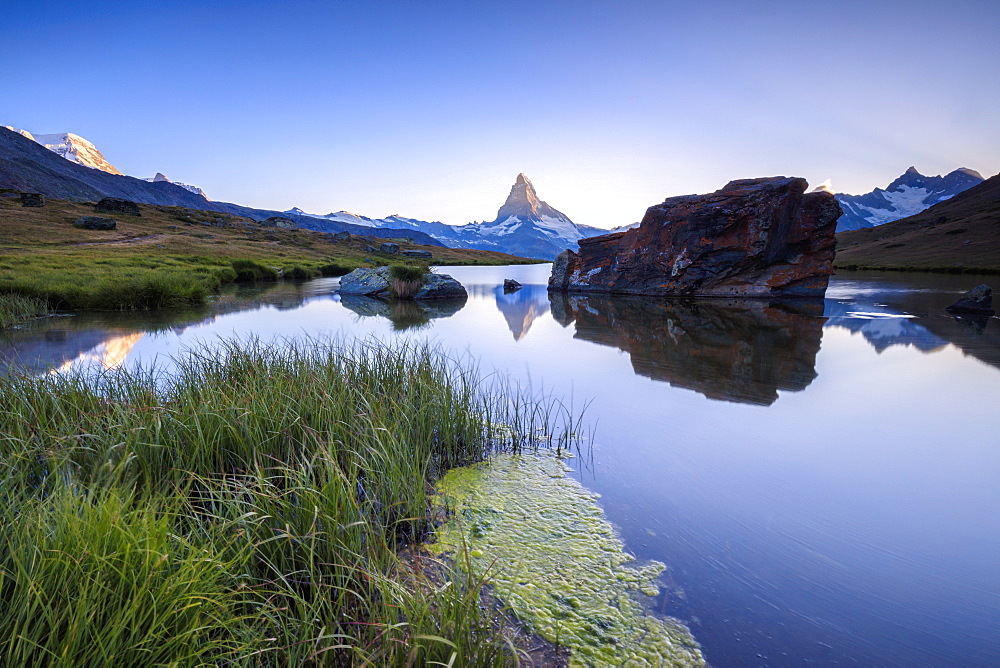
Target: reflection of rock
521, 307
753, 238
742, 351
403, 313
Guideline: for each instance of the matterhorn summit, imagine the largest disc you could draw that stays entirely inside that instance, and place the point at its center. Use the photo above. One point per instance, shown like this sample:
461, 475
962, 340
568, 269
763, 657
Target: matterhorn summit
523, 203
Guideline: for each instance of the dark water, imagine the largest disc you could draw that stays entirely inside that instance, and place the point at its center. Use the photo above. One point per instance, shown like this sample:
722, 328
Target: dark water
823, 480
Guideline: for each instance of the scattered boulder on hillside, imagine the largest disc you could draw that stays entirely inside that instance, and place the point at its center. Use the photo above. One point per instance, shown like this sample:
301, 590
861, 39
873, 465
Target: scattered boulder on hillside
978, 300
753, 238
376, 282
417, 253
341, 236
117, 205
33, 200
95, 223
510, 285
389, 248
278, 221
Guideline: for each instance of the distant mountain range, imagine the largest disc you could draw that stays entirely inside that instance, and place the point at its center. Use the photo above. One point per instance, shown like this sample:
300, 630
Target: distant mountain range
959, 234
27, 166
910, 194
525, 226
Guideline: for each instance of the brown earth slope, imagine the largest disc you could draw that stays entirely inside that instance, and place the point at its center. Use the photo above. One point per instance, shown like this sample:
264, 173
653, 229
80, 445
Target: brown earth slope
961, 234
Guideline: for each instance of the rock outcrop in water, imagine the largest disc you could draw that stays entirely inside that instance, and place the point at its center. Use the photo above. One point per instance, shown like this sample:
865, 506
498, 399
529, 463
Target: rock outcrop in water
376, 282
978, 300
754, 238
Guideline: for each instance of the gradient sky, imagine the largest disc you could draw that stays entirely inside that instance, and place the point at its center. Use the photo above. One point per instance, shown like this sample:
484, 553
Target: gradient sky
430, 109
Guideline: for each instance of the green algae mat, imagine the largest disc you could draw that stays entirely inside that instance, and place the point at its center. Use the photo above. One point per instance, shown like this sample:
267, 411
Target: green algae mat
554, 559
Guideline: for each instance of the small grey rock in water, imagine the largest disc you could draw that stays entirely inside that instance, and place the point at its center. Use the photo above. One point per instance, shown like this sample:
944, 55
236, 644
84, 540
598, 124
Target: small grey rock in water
510, 285
977, 300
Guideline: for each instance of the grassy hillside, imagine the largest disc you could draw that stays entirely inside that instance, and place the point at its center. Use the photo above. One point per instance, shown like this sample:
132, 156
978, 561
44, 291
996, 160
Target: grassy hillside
169, 255
958, 235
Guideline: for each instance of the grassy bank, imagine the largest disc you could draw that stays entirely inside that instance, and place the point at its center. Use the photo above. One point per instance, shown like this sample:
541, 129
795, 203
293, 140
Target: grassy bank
15, 309
249, 511
170, 256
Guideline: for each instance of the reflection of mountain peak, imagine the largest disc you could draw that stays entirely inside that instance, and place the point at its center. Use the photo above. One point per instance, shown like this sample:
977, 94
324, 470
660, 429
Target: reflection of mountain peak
741, 351
521, 308
881, 327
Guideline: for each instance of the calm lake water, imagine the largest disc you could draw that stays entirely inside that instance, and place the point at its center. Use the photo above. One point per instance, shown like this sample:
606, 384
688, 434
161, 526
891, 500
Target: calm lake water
823, 480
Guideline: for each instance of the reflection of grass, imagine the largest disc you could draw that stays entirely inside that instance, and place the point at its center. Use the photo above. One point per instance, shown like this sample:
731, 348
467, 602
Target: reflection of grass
248, 512
408, 314
18, 308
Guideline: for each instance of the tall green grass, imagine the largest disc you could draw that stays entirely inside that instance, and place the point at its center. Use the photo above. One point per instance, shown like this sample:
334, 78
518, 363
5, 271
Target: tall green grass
250, 509
15, 309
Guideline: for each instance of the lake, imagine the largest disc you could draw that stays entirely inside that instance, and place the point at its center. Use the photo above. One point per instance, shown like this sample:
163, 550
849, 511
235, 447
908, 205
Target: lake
822, 479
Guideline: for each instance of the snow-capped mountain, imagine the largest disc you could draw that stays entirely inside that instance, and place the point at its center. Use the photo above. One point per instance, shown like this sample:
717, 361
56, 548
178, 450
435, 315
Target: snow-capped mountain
910, 194
187, 186
525, 226
72, 147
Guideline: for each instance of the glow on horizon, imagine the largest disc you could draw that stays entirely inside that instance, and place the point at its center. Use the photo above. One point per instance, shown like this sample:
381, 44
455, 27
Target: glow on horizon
430, 110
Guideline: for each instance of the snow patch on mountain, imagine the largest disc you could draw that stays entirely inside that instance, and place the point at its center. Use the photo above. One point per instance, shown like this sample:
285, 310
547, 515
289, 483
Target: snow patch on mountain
72, 147
909, 194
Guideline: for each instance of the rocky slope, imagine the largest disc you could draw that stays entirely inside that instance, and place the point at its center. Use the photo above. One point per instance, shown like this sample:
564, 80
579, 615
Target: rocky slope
959, 234
753, 238
910, 194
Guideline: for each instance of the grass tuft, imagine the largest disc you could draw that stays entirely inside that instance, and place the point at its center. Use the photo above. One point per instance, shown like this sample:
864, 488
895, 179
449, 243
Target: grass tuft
16, 309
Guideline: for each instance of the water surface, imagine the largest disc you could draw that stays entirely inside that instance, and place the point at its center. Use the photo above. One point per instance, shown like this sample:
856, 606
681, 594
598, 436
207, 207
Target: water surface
822, 478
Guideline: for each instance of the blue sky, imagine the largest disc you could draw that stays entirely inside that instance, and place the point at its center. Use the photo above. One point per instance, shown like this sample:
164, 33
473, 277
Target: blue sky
430, 109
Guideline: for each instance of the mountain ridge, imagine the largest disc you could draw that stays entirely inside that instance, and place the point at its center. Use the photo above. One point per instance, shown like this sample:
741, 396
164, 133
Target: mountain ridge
907, 195
27, 166
961, 233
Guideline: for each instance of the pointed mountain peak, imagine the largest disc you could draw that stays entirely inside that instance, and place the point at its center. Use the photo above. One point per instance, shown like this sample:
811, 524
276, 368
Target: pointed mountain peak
160, 177
523, 203
912, 170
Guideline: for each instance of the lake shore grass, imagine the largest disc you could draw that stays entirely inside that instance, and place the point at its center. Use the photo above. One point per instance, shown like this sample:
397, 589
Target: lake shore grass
15, 309
249, 510
172, 256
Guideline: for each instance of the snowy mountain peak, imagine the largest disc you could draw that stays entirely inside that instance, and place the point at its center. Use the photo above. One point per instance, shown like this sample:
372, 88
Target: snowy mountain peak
72, 147
908, 195
523, 203
160, 178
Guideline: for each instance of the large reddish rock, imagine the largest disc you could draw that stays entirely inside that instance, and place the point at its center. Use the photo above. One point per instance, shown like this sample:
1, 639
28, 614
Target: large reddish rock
754, 238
